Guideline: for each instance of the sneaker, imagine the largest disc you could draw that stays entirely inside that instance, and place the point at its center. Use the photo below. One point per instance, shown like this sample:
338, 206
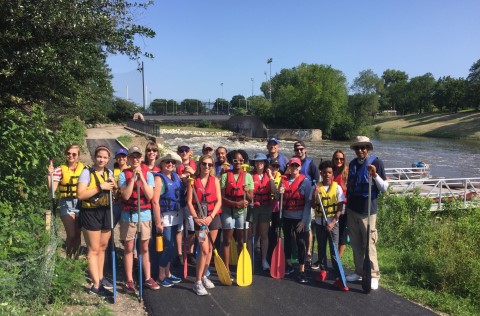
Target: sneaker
322, 276
207, 283
353, 277
129, 287
289, 269
308, 261
101, 291
151, 284
302, 278
191, 259
338, 284
165, 282
315, 265
265, 265
174, 279
374, 285
106, 284
199, 289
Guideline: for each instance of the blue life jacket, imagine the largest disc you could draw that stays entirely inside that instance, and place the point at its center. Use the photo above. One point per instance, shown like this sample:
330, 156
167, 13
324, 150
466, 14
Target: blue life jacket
358, 179
171, 199
305, 166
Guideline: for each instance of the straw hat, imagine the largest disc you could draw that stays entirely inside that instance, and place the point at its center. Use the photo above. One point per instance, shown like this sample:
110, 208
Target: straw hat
361, 141
170, 156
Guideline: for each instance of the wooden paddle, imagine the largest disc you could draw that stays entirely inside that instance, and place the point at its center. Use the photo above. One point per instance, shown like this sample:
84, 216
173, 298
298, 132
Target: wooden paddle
277, 267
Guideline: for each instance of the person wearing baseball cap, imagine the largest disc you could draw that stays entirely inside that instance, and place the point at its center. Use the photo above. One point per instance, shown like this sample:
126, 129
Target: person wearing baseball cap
297, 192
207, 149
361, 168
273, 152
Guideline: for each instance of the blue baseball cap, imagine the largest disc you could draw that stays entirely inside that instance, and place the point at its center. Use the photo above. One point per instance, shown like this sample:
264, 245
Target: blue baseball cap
273, 139
121, 151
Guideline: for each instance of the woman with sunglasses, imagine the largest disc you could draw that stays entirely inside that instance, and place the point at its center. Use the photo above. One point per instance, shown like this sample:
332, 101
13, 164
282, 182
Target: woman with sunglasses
65, 178
93, 189
167, 213
207, 191
264, 185
151, 155
340, 176
237, 190
296, 214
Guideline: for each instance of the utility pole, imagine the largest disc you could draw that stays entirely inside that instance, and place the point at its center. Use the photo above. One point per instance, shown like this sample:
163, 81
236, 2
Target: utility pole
269, 61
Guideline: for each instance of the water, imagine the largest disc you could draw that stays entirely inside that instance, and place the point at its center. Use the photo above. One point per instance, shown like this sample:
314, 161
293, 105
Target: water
446, 157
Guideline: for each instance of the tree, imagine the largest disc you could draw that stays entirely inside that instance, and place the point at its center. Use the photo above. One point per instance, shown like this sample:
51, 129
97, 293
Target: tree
159, 106
192, 106
123, 110
221, 106
421, 91
368, 84
54, 52
450, 93
393, 83
473, 86
238, 101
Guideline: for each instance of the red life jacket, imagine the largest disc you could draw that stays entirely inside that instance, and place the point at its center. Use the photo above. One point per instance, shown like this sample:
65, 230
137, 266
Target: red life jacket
181, 168
154, 168
339, 179
206, 195
234, 189
293, 200
262, 190
131, 203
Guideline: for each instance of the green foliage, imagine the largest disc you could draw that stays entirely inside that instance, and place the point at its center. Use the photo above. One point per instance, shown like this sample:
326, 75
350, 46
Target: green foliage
221, 106
191, 106
68, 280
205, 124
125, 139
123, 110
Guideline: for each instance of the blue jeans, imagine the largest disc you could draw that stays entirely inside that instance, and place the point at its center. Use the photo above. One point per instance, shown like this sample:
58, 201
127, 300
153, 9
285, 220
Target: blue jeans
169, 250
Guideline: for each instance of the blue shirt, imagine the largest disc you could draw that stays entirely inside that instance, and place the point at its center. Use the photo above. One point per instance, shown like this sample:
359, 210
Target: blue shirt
145, 215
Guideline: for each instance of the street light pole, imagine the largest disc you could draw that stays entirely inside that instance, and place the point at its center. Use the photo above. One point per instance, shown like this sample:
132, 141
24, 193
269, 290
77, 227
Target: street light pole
252, 85
269, 61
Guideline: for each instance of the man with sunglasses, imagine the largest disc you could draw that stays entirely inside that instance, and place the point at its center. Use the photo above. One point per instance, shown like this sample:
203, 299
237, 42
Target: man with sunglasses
207, 149
360, 169
310, 170
273, 152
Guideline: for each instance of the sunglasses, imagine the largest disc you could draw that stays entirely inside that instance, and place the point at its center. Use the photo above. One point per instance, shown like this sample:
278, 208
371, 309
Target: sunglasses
275, 166
238, 160
207, 149
169, 162
149, 150
209, 165
339, 159
299, 149
71, 154
183, 150
361, 147
294, 165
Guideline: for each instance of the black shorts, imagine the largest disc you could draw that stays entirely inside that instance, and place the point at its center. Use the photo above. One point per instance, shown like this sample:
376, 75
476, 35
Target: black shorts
95, 219
214, 225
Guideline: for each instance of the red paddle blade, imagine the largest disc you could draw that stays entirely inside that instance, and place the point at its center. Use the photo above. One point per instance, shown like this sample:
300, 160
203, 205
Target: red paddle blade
277, 267
185, 265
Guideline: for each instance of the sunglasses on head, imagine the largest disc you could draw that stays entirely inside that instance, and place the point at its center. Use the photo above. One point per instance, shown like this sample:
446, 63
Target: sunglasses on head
238, 160
71, 154
208, 149
183, 150
152, 150
361, 147
206, 164
169, 162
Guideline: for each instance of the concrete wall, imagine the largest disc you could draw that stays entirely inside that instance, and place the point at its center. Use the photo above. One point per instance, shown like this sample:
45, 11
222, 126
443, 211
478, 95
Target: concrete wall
294, 134
247, 125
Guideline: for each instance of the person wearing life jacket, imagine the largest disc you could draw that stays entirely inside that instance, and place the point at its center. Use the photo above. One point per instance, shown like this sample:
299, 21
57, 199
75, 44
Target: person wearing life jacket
221, 163
237, 192
151, 156
296, 214
207, 149
274, 167
93, 189
65, 178
340, 176
328, 197
167, 213
185, 170
264, 186
136, 185
273, 152
205, 208
311, 172
119, 165
360, 169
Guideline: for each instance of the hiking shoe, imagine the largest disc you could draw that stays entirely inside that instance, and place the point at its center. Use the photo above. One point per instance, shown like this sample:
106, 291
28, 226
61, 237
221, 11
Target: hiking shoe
302, 278
338, 284
289, 269
308, 261
191, 259
199, 289
322, 276
353, 277
151, 284
315, 265
374, 285
265, 265
129, 287
174, 279
165, 282
207, 283
106, 284
101, 291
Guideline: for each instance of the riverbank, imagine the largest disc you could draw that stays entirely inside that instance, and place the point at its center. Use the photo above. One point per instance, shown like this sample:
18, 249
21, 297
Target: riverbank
463, 125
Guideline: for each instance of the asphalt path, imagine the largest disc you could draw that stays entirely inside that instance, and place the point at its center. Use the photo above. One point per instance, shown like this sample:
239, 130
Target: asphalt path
268, 296
110, 143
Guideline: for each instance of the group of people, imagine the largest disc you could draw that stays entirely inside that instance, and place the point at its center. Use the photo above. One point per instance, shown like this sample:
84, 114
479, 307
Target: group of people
174, 194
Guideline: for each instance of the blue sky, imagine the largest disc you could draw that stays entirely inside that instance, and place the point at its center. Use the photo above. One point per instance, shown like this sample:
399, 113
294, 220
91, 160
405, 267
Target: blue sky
201, 44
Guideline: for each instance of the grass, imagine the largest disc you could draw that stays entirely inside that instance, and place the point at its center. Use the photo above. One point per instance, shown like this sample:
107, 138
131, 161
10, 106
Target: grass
444, 125
126, 140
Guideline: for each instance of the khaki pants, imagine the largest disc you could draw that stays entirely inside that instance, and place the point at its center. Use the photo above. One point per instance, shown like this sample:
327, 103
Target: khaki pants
357, 228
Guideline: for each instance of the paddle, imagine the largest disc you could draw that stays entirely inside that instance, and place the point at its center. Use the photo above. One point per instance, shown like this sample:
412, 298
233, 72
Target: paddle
244, 265
367, 264
112, 245
233, 252
185, 264
277, 267
222, 271
139, 241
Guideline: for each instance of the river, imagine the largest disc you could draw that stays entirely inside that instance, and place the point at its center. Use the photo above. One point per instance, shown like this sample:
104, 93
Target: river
449, 158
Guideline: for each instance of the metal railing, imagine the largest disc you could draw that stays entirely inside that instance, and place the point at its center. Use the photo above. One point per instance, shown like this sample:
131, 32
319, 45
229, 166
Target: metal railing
150, 128
407, 173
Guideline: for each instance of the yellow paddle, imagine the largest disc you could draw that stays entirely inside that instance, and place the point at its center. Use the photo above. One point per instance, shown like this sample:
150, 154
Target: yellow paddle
233, 252
244, 264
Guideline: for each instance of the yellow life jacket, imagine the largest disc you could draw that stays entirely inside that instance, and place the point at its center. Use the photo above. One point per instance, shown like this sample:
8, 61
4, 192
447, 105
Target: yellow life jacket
329, 200
68, 185
101, 199
117, 171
